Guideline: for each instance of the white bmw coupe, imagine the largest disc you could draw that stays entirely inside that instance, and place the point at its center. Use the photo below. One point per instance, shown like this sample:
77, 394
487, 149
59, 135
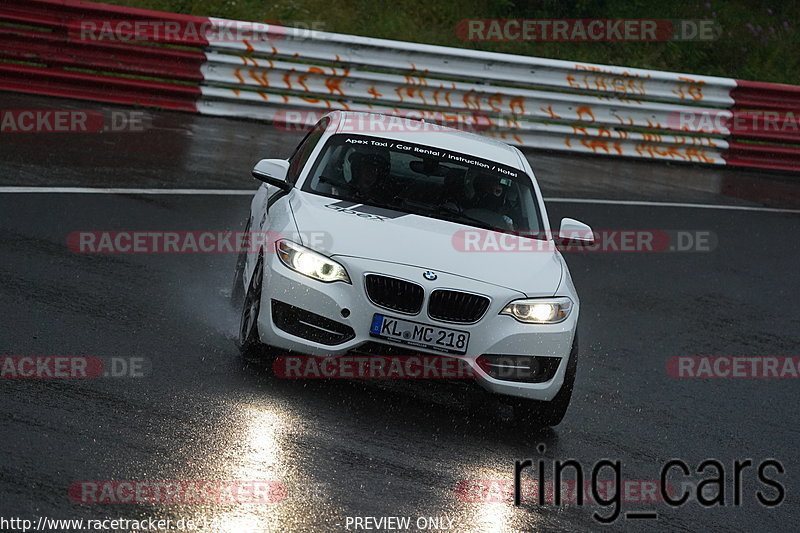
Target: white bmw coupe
387, 241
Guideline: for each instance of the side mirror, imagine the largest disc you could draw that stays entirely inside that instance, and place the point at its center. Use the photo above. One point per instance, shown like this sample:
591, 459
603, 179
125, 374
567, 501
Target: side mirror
273, 172
575, 232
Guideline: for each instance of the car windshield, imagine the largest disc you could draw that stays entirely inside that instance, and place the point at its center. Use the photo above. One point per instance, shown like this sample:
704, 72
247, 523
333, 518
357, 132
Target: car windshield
426, 181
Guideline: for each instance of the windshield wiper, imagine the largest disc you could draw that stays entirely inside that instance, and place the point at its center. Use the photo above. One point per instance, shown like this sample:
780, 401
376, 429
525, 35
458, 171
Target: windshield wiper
424, 209
440, 209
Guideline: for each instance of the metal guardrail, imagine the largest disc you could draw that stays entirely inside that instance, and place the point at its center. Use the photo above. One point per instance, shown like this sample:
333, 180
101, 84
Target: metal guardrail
291, 76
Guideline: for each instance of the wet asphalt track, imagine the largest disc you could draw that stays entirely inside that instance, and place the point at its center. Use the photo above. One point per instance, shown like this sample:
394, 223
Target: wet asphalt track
370, 449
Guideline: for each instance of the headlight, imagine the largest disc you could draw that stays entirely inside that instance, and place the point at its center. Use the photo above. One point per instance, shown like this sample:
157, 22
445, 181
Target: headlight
539, 310
310, 263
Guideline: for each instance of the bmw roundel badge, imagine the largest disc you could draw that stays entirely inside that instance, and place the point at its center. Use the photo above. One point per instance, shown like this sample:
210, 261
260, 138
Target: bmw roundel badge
430, 276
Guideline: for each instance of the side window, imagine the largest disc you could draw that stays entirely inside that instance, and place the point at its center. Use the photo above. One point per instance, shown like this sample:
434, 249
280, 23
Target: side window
304, 149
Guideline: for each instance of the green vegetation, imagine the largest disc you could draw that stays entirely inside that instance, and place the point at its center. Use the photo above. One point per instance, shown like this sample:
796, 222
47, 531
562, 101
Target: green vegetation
760, 39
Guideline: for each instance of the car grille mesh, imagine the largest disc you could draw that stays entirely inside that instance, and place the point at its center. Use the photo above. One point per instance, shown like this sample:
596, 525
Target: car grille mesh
455, 306
394, 293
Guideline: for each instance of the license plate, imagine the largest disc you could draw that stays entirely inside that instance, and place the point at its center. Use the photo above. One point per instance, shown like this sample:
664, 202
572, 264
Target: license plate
418, 334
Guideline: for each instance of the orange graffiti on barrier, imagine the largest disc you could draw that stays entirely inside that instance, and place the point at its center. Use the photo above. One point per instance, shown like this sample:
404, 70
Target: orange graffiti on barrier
509, 122
672, 151
260, 77
334, 85
699, 154
518, 103
584, 110
472, 99
417, 79
634, 86
695, 89
549, 111
572, 82
495, 100
694, 141
595, 144
420, 92
623, 82
642, 149
301, 79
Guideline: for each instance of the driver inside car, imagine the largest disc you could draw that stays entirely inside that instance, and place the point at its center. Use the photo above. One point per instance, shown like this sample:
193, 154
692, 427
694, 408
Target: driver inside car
370, 178
490, 200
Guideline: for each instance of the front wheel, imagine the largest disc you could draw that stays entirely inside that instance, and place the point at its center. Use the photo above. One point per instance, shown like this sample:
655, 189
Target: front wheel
237, 289
249, 342
538, 413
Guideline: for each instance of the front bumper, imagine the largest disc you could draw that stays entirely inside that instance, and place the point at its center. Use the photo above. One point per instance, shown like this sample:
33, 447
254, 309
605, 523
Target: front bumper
338, 332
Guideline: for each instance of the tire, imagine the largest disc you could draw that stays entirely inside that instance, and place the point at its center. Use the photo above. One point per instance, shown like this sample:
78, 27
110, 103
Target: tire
237, 290
248, 340
538, 413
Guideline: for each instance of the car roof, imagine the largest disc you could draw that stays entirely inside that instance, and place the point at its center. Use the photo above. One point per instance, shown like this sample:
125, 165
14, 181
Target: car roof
431, 134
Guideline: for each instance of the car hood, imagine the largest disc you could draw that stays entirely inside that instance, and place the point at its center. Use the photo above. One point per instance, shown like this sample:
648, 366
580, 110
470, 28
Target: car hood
339, 228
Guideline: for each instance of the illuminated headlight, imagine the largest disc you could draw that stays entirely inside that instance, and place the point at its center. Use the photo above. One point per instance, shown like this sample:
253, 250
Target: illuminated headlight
310, 263
539, 310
